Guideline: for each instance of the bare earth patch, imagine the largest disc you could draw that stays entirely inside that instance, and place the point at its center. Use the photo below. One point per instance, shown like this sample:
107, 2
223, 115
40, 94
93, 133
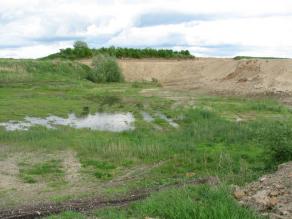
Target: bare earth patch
11, 185
72, 167
15, 191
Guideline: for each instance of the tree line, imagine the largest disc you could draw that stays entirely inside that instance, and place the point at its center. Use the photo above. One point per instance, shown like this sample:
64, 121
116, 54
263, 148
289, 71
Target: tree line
81, 50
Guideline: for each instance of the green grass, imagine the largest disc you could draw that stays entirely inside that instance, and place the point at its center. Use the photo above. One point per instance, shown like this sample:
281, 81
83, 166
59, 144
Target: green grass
201, 131
204, 139
241, 105
47, 171
201, 202
99, 169
190, 202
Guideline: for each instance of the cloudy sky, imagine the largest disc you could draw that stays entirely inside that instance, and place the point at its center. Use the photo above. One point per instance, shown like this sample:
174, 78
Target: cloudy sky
221, 28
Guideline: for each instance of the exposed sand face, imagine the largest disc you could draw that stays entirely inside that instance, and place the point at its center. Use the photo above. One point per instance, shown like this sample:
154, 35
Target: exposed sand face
214, 74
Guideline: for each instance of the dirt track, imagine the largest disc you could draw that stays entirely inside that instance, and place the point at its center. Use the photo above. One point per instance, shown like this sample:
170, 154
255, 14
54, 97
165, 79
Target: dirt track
215, 75
41, 210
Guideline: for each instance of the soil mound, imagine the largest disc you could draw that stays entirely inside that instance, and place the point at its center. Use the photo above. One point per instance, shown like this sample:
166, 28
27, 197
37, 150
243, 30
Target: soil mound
271, 195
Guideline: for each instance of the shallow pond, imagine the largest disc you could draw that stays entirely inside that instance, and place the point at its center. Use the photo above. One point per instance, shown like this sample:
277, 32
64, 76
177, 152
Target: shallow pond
114, 122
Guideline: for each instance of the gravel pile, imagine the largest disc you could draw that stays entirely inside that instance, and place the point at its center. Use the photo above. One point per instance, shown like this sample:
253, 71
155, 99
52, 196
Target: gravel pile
271, 195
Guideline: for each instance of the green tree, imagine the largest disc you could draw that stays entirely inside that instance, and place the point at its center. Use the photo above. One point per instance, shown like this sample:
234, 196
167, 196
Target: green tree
81, 50
80, 45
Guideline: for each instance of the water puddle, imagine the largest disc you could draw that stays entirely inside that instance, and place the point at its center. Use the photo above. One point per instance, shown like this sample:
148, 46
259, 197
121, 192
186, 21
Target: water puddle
147, 117
168, 120
116, 122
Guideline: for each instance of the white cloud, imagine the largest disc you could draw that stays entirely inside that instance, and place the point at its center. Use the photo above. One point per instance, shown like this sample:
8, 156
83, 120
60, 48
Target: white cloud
34, 28
34, 51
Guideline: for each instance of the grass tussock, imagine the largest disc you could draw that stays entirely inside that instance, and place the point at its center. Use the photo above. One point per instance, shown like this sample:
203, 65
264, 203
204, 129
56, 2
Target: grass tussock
46, 171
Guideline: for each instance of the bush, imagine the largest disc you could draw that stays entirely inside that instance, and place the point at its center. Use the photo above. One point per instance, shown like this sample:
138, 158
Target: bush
281, 153
106, 69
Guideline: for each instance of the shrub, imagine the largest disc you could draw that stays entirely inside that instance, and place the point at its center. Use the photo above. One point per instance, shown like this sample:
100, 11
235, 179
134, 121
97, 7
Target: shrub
281, 153
106, 69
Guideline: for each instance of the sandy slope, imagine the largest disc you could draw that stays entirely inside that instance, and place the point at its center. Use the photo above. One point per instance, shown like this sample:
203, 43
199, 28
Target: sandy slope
213, 74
